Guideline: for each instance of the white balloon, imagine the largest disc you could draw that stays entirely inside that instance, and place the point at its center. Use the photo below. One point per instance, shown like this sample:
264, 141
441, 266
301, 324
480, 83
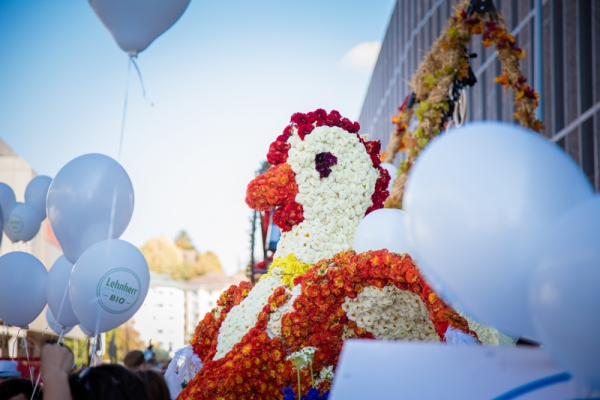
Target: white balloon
478, 201
12, 237
108, 285
22, 283
393, 171
565, 292
23, 222
7, 200
54, 325
57, 292
85, 331
36, 193
381, 229
90, 199
135, 24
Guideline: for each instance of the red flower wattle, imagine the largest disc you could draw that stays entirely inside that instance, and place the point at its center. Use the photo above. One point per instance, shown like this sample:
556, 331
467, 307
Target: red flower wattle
288, 216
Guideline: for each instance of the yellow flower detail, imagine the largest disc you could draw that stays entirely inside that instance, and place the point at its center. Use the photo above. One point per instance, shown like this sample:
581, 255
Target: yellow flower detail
291, 268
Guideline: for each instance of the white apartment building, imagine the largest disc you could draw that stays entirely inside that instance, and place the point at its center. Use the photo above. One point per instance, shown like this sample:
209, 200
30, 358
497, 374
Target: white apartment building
161, 317
201, 296
172, 309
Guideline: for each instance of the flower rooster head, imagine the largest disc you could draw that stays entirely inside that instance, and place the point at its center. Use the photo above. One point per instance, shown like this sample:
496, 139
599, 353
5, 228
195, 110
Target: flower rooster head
324, 178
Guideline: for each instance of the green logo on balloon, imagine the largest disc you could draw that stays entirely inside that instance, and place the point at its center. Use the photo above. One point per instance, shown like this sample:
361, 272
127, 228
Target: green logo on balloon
118, 290
16, 223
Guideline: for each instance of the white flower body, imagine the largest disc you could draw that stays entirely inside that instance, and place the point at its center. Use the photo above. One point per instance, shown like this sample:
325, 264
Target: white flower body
391, 313
244, 316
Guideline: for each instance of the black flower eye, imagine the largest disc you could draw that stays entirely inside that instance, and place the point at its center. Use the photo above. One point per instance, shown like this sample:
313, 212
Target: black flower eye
323, 162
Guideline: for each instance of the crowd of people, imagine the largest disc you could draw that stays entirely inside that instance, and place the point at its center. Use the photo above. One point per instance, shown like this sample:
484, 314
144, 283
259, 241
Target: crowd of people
136, 379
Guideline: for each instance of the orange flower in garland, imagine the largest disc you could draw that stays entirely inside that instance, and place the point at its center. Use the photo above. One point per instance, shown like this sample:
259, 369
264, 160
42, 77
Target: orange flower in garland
255, 368
208, 329
275, 187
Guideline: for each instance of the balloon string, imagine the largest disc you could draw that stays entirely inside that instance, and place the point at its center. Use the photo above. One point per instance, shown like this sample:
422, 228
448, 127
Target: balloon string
124, 109
15, 347
65, 293
25, 345
95, 353
62, 332
141, 81
85, 344
37, 382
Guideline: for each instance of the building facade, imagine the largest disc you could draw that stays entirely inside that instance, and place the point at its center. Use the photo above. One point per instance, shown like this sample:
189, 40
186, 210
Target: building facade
160, 319
173, 308
201, 297
566, 72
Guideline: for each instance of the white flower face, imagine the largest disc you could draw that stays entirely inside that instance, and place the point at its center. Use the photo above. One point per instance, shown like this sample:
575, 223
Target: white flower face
333, 205
391, 313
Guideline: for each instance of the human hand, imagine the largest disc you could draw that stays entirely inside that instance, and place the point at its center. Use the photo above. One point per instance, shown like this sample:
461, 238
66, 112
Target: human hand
56, 359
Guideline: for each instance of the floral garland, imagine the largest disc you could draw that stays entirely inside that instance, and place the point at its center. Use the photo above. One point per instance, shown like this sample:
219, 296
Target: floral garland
399, 139
445, 64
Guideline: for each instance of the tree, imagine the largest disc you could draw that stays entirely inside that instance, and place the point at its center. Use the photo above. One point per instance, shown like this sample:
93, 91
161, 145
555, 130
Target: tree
162, 255
208, 262
179, 262
184, 241
127, 338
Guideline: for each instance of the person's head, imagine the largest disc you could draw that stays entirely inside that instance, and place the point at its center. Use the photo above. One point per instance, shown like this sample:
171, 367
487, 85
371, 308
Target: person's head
134, 360
18, 389
8, 369
107, 382
156, 385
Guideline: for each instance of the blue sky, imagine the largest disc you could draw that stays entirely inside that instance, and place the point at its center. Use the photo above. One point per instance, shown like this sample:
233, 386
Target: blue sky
224, 81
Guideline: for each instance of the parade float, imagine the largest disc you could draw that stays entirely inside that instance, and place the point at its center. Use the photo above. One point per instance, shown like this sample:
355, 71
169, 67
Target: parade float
283, 336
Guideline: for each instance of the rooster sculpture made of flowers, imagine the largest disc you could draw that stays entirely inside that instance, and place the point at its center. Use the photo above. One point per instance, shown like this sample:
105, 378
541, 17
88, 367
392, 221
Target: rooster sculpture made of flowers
324, 179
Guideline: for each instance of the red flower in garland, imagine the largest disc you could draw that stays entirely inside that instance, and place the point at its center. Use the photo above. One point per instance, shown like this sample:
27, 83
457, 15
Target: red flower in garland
288, 216
278, 150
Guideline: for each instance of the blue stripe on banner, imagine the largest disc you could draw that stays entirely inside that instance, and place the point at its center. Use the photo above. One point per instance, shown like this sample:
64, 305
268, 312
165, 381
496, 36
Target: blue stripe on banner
535, 385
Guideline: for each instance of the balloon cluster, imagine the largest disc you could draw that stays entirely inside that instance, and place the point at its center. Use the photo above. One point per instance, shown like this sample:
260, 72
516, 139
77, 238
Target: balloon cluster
22, 221
507, 229
100, 281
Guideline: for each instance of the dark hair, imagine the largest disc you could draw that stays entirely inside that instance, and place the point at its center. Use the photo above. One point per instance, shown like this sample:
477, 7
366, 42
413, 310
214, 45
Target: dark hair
134, 359
156, 385
15, 386
110, 382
